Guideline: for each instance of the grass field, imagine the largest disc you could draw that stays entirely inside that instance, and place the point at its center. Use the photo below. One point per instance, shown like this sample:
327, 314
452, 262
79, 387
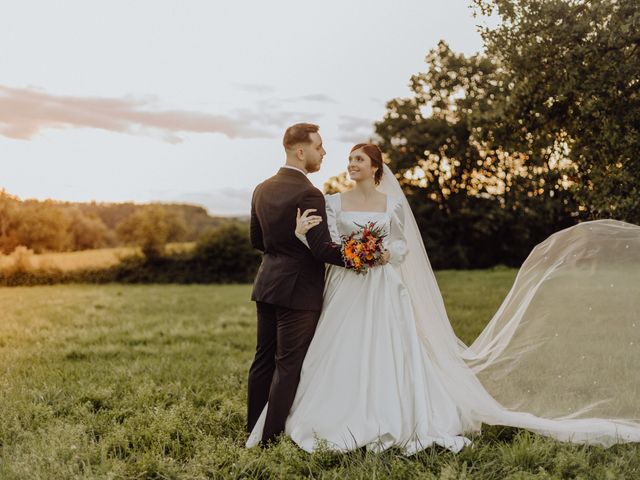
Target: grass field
149, 381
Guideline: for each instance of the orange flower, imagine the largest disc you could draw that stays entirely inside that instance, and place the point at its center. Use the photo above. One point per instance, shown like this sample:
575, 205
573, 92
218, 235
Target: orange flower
360, 250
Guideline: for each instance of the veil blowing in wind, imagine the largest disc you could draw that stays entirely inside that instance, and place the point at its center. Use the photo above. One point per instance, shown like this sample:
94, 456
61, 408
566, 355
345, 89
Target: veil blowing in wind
561, 356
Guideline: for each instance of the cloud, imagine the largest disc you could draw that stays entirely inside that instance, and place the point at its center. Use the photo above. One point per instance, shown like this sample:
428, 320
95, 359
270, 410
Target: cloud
356, 123
255, 87
268, 113
269, 110
355, 129
313, 97
224, 202
260, 88
25, 112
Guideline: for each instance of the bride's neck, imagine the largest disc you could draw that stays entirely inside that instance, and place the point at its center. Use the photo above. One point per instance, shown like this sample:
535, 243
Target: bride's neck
365, 189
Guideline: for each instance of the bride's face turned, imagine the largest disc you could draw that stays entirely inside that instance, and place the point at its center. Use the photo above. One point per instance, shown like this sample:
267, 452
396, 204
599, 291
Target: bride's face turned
360, 167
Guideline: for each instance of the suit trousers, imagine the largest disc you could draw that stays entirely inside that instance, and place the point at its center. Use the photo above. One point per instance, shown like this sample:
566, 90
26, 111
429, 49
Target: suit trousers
284, 336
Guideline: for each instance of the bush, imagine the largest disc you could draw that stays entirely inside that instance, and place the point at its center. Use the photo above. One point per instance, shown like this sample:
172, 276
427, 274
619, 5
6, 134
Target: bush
223, 255
226, 254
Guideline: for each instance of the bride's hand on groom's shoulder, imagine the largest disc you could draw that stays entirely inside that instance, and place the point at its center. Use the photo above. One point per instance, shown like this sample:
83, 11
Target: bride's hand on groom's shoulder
306, 221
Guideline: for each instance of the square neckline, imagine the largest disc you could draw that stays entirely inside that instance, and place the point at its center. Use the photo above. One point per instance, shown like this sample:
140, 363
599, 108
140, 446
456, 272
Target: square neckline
364, 211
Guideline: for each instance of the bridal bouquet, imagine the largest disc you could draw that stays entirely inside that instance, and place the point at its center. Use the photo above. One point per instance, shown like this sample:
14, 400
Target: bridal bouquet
363, 249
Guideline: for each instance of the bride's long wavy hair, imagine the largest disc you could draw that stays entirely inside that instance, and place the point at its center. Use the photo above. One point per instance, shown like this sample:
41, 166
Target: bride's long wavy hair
375, 154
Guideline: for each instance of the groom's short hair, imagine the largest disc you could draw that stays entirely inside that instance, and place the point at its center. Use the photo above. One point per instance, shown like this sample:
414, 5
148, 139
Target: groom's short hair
298, 133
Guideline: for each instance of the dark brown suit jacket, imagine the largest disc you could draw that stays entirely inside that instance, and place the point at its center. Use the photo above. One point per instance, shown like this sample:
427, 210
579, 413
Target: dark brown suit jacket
290, 275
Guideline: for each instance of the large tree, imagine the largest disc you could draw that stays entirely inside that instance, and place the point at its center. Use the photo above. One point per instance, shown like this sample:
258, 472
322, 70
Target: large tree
151, 228
43, 227
478, 202
87, 229
8, 221
573, 71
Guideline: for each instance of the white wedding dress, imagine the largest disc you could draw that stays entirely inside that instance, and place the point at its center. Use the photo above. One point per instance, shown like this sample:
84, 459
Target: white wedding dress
561, 356
366, 379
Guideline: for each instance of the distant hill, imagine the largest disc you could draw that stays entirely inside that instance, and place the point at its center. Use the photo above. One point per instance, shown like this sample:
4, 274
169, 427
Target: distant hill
196, 217
51, 225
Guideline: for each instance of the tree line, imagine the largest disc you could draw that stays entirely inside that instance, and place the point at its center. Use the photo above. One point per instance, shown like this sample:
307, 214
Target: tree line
54, 226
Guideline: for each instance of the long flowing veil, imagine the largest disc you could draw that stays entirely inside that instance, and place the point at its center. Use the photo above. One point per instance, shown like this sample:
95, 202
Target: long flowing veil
561, 356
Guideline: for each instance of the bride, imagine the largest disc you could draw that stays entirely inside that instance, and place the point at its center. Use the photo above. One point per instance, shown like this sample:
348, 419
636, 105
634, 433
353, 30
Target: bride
384, 368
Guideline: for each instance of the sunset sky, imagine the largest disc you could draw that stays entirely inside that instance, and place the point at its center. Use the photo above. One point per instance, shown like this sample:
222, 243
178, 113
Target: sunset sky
187, 101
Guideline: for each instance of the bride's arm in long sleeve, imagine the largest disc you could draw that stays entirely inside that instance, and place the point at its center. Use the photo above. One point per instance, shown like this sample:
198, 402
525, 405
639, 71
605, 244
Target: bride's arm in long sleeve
397, 244
331, 224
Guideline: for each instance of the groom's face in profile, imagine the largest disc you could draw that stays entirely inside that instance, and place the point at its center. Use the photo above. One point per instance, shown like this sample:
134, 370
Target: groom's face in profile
313, 152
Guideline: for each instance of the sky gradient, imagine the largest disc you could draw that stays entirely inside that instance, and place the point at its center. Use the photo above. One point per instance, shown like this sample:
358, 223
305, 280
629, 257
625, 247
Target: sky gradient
187, 101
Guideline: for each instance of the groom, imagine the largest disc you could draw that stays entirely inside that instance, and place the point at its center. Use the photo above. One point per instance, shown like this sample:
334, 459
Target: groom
288, 289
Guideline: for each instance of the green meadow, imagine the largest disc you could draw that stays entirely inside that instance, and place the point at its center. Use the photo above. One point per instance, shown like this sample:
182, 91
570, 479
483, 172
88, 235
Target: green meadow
149, 382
